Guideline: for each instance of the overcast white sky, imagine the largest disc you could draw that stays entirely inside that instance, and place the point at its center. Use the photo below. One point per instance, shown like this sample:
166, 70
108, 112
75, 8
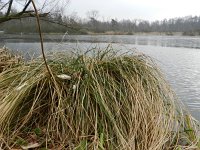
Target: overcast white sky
136, 9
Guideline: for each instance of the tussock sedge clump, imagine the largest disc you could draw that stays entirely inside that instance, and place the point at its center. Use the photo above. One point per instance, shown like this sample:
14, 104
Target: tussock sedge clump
92, 102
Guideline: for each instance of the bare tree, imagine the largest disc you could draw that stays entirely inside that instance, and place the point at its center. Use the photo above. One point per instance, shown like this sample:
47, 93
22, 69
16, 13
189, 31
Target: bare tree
93, 22
93, 14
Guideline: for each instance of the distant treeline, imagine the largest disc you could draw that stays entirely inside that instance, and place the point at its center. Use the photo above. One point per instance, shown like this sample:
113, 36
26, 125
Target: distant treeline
189, 25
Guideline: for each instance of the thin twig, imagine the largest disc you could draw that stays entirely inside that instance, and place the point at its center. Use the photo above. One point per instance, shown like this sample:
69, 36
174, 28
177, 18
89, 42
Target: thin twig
41, 39
4, 6
42, 48
62, 24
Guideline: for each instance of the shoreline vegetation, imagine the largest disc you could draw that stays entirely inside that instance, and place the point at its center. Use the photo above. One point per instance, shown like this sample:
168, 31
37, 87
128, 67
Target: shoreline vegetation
99, 99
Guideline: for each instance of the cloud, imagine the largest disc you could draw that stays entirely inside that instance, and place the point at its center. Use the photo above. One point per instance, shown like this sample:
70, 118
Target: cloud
144, 9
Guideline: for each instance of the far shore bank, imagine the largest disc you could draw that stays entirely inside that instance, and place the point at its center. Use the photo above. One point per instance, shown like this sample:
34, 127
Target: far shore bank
64, 37
21, 34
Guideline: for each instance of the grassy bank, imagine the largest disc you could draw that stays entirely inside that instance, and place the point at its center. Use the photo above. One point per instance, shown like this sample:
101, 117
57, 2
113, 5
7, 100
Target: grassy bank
96, 101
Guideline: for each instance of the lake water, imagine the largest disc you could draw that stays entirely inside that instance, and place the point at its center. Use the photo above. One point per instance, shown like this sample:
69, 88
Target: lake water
177, 56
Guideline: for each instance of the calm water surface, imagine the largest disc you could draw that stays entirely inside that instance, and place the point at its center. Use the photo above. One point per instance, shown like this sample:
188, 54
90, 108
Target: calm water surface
178, 57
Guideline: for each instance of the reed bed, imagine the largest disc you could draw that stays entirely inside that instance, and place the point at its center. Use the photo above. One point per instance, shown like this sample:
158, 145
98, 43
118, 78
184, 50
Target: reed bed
93, 102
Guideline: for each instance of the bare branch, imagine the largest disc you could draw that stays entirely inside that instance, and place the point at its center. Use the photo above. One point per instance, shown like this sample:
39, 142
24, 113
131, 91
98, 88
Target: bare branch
44, 4
43, 16
26, 6
26, 14
9, 7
